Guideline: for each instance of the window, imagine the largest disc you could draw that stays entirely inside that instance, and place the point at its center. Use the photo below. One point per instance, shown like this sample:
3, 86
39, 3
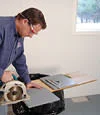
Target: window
87, 16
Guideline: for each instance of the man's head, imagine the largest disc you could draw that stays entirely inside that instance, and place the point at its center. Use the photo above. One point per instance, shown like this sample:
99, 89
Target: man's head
30, 22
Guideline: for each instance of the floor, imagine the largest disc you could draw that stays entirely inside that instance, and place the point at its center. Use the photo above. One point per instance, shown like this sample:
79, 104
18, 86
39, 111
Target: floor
90, 107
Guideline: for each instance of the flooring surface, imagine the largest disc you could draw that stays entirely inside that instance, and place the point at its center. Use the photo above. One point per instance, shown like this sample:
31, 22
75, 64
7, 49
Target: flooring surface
91, 107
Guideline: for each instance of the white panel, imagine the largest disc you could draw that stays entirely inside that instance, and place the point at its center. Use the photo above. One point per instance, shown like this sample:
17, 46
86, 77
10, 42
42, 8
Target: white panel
10, 7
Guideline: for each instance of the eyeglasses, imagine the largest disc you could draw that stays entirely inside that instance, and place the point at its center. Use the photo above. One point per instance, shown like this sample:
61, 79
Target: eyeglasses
32, 27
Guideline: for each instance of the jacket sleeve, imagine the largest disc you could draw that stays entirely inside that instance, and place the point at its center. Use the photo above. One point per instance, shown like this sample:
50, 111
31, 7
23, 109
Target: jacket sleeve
1, 39
1, 72
21, 68
1, 34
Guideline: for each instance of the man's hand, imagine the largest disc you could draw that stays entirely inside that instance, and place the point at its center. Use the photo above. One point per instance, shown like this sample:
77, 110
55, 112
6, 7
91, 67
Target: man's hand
31, 85
7, 76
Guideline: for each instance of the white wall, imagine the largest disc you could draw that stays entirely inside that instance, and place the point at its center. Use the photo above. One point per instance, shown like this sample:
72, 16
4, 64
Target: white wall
57, 49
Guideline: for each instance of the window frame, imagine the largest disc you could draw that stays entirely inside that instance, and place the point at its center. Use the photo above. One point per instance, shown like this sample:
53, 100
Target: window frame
75, 3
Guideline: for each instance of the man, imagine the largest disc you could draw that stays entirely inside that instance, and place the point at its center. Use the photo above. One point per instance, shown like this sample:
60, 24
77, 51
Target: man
12, 33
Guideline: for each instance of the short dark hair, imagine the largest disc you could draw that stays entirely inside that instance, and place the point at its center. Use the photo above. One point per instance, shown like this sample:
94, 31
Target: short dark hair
34, 16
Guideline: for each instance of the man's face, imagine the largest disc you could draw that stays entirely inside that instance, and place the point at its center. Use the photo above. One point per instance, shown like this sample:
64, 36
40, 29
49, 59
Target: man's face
28, 30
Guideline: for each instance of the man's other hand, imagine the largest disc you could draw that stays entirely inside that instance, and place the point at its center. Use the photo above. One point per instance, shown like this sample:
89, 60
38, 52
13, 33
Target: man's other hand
33, 85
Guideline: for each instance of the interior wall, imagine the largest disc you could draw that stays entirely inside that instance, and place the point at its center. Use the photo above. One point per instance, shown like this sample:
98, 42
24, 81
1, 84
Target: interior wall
56, 49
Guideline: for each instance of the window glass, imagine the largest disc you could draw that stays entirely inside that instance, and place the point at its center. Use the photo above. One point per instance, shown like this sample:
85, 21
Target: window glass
88, 15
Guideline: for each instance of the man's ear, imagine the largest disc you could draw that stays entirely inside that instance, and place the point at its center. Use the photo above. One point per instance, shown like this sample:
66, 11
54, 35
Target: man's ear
25, 21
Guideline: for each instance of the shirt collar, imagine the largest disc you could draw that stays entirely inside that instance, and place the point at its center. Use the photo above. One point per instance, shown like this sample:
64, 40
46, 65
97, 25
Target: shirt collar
16, 34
